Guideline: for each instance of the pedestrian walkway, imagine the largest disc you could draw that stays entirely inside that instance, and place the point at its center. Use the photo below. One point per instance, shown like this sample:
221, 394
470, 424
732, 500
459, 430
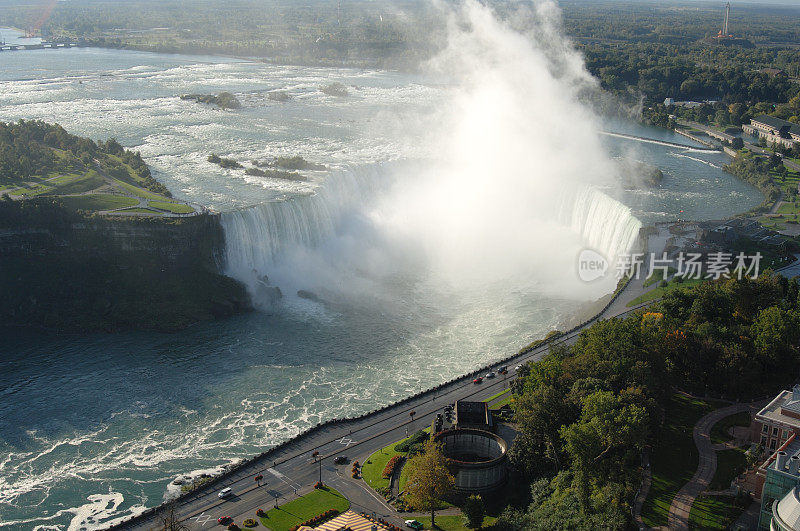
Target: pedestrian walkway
644, 490
678, 518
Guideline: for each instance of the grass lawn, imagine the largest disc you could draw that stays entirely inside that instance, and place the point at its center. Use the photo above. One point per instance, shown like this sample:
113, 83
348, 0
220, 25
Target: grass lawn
143, 211
176, 208
773, 223
401, 482
98, 202
33, 190
77, 184
729, 464
713, 512
497, 395
659, 292
372, 469
719, 432
501, 403
659, 276
674, 459
298, 511
452, 522
138, 192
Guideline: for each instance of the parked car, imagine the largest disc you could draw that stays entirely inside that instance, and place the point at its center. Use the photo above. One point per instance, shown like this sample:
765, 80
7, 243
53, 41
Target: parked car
224, 493
477, 380
518, 367
413, 524
340, 460
224, 520
503, 370
490, 375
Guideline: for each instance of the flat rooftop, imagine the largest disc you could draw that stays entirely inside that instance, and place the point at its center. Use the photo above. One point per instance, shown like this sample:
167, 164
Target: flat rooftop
783, 409
472, 413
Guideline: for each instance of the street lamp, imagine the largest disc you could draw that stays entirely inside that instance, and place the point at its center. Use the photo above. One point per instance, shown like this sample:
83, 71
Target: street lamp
317, 458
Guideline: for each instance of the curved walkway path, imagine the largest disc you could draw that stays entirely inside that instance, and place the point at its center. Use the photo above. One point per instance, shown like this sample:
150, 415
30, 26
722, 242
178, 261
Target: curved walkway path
644, 490
681, 506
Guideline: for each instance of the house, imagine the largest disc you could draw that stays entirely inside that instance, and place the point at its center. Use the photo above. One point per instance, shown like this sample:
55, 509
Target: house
773, 130
723, 234
778, 420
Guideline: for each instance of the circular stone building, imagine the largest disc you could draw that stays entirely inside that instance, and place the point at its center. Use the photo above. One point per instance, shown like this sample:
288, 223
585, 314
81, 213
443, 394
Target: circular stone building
477, 458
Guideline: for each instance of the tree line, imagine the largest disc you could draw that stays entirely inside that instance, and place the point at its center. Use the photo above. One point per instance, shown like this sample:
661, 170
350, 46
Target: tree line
585, 412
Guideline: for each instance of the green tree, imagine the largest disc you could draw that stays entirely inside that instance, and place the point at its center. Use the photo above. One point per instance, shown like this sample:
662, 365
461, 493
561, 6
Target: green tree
474, 511
775, 331
608, 423
429, 479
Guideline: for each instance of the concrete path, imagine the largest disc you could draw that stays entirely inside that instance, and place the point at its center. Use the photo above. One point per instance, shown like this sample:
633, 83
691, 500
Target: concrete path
777, 205
681, 506
644, 490
749, 518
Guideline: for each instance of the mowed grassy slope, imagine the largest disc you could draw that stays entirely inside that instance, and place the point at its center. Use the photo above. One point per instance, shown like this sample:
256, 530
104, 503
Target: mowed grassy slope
106, 185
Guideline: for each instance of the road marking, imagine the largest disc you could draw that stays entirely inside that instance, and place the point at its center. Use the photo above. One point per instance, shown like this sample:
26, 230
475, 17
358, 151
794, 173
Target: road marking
201, 518
283, 478
346, 441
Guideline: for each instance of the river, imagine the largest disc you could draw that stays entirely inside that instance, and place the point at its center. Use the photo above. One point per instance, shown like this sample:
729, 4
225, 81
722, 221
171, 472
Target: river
95, 427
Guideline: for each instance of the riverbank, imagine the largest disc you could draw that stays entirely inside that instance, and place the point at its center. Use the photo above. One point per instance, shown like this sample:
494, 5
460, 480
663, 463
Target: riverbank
763, 182
66, 272
358, 437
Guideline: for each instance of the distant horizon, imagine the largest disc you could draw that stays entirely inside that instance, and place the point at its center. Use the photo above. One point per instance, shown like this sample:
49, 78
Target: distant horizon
704, 3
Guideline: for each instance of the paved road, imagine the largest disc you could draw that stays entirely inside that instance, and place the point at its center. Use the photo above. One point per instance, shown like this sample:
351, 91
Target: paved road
293, 470
678, 518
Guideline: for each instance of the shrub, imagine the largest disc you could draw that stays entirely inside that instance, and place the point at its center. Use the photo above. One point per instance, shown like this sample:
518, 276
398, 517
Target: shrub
474, 512
260, 513
317, 520
417, 438
391, 465
250, 522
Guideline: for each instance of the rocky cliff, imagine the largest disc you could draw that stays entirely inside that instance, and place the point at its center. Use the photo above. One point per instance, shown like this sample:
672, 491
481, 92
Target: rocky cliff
68, 272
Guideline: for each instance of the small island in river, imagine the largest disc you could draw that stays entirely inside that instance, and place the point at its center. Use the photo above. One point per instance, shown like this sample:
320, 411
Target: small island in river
223, 100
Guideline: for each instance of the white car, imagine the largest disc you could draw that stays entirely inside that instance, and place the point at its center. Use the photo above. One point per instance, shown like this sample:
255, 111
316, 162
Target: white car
224, 493
490, 375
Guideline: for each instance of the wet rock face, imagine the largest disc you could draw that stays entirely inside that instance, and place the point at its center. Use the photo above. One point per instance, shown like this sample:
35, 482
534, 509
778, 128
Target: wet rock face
308, 295
153, 274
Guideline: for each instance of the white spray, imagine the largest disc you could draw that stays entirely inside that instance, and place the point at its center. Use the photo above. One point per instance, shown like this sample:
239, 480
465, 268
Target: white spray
508, 193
